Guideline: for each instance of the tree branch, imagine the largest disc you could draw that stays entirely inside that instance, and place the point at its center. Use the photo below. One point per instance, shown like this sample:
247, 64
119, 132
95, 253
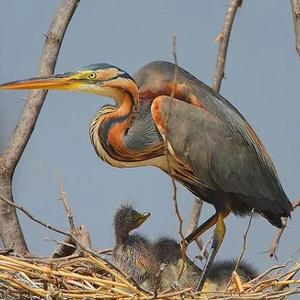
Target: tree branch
33, 218
193, 223
196, 211
10, 230
79, 237
68, 246
276, 239
223, 38
64, 200
296, 18
243, 249
35, 100
180, 220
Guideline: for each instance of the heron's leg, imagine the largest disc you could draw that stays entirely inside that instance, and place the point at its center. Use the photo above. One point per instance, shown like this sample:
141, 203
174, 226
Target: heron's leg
218, 237
197, 232
202, 228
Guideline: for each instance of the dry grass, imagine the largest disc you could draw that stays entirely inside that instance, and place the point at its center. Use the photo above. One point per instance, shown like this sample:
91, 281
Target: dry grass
90, 277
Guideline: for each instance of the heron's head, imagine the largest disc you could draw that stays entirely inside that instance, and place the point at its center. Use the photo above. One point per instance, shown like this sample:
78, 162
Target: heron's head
101, 79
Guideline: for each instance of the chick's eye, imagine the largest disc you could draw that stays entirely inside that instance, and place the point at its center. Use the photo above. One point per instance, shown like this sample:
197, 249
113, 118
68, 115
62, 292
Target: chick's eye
92, 76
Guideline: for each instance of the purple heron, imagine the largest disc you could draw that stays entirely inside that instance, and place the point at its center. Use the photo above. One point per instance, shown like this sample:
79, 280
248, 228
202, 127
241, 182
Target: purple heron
213, 151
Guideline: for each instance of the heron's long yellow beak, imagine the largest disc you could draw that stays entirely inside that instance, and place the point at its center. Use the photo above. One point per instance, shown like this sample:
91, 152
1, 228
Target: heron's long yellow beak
65, 82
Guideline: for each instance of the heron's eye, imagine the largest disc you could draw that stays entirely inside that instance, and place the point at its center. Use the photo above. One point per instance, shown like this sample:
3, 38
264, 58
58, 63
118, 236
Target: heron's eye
92, 75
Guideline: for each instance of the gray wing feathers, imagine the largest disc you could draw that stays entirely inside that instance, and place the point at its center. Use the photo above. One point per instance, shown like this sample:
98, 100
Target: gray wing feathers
143, 132
154, 75
219, 157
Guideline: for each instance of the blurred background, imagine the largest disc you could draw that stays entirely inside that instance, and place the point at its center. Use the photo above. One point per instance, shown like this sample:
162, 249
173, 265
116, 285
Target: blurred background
262, 81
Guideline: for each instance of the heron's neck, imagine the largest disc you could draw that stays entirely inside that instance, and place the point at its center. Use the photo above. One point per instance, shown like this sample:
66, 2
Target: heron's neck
109, 125
125, 101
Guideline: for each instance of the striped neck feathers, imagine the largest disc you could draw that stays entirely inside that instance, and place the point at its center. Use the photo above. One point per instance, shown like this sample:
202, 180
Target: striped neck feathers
108, 127
108, 130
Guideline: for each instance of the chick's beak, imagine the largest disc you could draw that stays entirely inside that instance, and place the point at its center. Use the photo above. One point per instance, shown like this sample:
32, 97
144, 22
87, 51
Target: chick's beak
54, 82
143, 217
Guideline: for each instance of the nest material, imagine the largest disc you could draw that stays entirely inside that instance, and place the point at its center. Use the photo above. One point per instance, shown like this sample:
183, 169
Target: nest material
90, 277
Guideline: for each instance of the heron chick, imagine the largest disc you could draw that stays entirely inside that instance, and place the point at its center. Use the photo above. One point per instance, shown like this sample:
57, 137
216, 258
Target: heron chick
133, 252
183, 273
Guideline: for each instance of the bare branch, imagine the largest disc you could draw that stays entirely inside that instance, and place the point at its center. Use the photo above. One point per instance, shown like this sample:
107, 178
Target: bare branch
33, 218
10, 230
52, 44
68, 246
180, 220
243, 249
276, 239
64, 200
83, 241
193, 223
223, 38
244, 242
296, 18
196, 211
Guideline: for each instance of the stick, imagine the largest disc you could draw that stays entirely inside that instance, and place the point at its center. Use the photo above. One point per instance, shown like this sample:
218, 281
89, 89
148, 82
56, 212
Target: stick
64, 200
296, 18
35, 219
243, 249
10, 229
276, 239
244, 242
223, 37
196, 211
42, 223
194, 219
68, 246
180, 220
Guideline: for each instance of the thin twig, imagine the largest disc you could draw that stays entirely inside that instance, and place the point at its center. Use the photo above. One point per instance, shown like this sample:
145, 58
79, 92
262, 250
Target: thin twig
193, 223
276, 239
196, 211
180, 220
60, 242
223, 38
296, 18
35, 219
244, 242
65, 248
50, 227
243, 249
64, 200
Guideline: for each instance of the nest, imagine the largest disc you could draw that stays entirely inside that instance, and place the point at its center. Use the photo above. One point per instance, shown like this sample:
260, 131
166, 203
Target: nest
87, 276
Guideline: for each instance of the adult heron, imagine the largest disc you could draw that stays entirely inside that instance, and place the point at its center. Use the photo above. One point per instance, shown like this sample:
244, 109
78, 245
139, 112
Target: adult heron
212, 149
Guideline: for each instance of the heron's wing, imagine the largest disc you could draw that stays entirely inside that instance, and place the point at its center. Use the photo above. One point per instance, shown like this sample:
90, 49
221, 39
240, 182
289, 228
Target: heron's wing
156, 79
220, 157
